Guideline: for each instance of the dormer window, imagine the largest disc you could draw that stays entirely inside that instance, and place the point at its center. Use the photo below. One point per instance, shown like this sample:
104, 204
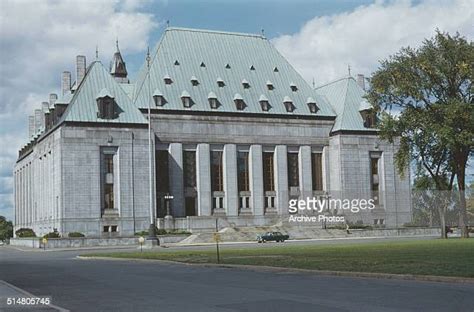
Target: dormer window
194, 81
167, 80
264, 103
368, 114
202, 64
288, 104
176, 63
186, 99
158, 98
313, 108
220, 82
275, 70
239, 102
245, 84
106, 107
270, 85
293, 87
227, 66
213, 102
252, 67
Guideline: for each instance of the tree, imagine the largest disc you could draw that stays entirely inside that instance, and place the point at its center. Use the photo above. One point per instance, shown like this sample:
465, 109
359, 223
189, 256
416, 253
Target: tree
6, 228
432, 89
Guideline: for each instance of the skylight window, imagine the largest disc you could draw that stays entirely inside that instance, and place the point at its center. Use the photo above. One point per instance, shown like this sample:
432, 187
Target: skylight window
264, 104
220, 82
293, 87
252, 67
176, 63
288, 104
194, 81
213, 102
313, 107
270, 85
202, 64
275, 69
167, 79
239, 102
227, 66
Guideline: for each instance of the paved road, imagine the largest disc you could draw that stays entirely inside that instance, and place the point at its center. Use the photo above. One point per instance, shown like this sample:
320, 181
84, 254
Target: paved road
102, 285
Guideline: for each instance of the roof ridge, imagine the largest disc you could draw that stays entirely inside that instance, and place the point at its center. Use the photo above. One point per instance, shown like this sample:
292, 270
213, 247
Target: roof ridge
334, 81
344, 108
215, 32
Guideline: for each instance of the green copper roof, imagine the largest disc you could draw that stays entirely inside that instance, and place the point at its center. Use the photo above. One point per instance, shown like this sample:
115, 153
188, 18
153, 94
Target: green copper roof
98, 82
346, 98
195, 60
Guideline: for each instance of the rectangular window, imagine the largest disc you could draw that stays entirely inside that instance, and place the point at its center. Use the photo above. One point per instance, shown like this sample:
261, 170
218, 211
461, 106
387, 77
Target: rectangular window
162, 171
268, 172
108, 155
243, 171
374, 178
293, 170
217, 174
317, 171
189, 167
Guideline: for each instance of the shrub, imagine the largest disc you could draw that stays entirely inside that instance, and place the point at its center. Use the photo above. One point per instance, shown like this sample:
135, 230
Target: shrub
75, 234
144, 233
52, 235
25, 232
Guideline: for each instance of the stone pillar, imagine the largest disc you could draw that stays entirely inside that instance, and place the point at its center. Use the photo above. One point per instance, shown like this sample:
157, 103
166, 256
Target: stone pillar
281, 179
203, 177
305, 172
256, 179
325, 169
176, 179
230, 179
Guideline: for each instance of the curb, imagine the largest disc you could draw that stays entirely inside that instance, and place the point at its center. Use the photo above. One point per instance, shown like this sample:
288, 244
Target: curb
410, 277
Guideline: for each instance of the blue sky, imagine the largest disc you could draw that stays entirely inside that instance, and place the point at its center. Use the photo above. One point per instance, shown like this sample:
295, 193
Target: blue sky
320, 38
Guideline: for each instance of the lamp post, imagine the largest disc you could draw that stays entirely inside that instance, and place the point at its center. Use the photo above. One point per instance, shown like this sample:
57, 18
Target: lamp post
152, 230
45, 241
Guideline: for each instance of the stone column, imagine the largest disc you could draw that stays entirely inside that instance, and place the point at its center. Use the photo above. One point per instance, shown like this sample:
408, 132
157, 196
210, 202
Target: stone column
176, 179
305, 172
325, 169
281, 178
229, 163
203, 177
256, 179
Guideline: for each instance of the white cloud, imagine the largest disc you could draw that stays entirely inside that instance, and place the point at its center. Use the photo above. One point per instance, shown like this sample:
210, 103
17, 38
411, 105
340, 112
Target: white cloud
325, 45
39, 40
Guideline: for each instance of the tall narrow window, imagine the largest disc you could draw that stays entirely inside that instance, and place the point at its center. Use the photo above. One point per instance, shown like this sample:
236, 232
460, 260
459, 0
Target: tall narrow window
162, 171
243, 171
374, 178
293, 174
268, 172
317, 171
108, 156
189, 164
217, 174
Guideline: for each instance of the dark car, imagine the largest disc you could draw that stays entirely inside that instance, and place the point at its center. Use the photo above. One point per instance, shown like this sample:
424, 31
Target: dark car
272, 236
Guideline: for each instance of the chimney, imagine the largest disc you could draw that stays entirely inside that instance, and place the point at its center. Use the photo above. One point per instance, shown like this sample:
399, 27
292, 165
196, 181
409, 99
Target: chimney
37, 119
80, 69
361, 81
53, 97
31, 126
66, 83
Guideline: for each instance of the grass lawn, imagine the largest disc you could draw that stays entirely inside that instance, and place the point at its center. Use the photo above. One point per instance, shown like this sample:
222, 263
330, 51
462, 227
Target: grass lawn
453, 257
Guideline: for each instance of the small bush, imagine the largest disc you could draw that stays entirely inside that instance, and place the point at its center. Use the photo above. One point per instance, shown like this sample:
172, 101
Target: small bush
25, 232
144, 233
75, 234
52, 235
141, 233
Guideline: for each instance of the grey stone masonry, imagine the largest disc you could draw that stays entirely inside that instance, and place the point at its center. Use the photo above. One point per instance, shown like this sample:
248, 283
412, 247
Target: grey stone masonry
203, 176
230, 179
281, 178
176, 179
305, 174
256, 179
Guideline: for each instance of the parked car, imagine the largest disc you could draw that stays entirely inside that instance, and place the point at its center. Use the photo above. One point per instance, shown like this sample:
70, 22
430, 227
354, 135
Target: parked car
272, 236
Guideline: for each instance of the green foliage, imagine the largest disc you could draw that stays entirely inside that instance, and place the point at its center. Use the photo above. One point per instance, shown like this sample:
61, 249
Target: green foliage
52, 235
144, 233
25, 232
75, 234
6, 229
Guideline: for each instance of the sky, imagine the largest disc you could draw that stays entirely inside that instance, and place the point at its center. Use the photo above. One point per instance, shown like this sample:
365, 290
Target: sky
39, 39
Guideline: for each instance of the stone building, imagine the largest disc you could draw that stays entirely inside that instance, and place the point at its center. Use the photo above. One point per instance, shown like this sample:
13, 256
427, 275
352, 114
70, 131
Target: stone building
237, 134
